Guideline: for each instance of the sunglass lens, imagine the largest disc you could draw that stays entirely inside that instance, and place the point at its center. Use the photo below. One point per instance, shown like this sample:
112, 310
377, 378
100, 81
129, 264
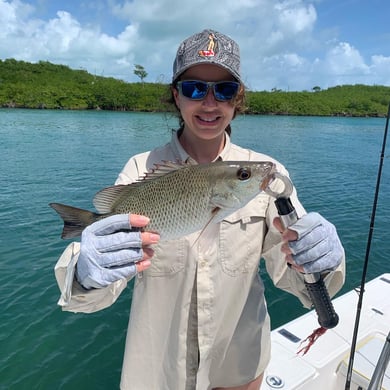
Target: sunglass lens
194, 89
225, 90
197, 90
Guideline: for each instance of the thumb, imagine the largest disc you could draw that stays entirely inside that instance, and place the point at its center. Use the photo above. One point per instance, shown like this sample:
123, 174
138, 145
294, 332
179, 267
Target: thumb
278, 224
287, 234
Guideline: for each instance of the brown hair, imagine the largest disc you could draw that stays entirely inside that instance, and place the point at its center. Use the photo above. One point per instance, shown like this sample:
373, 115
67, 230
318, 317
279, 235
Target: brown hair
238, 102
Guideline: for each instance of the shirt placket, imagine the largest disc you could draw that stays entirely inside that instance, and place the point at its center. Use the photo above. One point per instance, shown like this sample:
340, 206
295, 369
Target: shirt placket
205, 291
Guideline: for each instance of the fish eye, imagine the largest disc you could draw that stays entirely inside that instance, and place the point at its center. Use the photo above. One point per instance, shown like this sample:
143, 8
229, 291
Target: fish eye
244, 173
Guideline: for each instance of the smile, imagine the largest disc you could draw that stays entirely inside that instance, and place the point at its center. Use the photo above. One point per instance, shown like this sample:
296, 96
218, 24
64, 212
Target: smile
208, 119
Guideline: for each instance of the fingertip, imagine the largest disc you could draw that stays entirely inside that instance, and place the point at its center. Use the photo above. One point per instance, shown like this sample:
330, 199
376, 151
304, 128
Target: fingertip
143, 265
290, 235
137, 220
278, 224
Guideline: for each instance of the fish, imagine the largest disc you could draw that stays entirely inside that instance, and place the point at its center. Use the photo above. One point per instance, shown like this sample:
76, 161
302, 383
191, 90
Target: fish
178, 198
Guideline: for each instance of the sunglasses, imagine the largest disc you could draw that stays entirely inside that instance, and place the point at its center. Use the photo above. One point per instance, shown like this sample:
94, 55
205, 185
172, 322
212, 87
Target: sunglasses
197, 90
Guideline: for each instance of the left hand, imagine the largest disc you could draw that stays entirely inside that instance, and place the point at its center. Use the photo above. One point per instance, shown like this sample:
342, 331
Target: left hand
311, 244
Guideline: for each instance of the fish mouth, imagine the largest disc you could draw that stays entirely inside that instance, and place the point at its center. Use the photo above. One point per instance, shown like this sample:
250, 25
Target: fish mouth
270, 178
264, 185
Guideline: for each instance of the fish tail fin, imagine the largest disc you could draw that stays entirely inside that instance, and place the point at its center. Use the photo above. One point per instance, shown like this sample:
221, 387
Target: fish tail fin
75, 219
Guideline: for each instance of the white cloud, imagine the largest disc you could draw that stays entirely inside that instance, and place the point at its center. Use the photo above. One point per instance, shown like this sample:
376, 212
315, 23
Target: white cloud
345, 59
380, 69
277, 39
295, 18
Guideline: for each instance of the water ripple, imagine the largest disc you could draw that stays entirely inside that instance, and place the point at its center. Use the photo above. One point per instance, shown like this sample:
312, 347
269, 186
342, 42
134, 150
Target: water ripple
68, 156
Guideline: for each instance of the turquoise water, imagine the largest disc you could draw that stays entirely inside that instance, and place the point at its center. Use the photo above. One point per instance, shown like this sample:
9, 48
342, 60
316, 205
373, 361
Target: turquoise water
68, 156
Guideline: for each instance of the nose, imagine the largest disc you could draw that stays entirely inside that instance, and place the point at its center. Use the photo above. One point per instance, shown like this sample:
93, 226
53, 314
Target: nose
210, 100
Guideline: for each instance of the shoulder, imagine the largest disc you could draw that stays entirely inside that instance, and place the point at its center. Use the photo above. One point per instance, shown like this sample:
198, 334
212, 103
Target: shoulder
141, 163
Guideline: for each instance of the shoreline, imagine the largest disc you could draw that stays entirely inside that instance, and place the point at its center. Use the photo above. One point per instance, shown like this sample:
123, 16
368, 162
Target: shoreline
336, 115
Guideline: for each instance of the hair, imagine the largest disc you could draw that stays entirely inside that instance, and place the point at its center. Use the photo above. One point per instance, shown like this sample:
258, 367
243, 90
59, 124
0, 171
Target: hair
238, 102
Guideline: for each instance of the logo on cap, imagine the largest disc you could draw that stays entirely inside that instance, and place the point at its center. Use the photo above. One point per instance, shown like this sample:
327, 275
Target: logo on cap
212, 45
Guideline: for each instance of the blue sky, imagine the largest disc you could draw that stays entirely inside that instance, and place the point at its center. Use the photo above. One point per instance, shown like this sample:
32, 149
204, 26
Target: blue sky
285, 44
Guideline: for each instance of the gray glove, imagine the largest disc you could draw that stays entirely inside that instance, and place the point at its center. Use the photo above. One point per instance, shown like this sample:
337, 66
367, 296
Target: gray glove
318, 247
108, 253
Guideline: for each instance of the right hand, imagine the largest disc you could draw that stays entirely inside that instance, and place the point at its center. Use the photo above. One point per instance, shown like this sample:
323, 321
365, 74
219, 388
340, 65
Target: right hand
108, 253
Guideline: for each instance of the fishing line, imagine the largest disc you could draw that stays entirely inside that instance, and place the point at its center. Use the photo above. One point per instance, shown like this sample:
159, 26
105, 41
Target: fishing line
365, 265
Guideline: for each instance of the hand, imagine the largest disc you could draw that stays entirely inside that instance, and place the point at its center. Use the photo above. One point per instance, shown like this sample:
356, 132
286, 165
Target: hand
108, 253
311, 244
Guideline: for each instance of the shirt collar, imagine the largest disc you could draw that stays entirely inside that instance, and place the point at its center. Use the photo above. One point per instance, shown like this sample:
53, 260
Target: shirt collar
182, 155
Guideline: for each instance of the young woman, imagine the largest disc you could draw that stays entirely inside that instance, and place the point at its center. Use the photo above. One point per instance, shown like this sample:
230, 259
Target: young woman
198, 316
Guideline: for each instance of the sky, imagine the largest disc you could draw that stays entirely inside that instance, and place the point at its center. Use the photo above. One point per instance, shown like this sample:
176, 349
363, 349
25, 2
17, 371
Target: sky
291, 45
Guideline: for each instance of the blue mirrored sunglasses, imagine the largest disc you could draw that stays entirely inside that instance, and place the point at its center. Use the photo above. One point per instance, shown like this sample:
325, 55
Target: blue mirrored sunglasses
197, 89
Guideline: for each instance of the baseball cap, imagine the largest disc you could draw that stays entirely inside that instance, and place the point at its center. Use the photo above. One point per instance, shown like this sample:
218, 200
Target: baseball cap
207, 47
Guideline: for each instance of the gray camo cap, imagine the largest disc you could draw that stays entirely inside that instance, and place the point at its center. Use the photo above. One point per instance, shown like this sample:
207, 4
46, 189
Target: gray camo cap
207, 47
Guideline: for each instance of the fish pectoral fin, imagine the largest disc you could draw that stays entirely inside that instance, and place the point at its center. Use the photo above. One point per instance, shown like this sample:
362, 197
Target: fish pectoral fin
214, 214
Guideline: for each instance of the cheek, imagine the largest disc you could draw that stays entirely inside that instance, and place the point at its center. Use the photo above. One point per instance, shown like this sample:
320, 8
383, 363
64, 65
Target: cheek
185, 106
230, 112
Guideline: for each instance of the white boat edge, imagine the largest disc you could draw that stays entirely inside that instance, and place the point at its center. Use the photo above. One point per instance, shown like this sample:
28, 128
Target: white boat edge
325, 365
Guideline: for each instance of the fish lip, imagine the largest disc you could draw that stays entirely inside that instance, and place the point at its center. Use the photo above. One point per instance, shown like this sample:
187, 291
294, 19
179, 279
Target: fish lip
268, 179
274, 175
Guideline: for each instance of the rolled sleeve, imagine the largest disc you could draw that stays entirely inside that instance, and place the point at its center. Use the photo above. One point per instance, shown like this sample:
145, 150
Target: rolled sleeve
74, 297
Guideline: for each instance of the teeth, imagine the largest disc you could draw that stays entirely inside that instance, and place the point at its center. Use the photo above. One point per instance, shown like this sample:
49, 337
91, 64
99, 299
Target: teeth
208, 119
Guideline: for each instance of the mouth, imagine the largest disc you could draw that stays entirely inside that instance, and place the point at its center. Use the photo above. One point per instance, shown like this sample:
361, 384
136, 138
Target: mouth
208, 119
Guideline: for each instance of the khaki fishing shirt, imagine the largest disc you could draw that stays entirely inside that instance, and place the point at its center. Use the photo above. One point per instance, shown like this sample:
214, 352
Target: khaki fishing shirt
198, 315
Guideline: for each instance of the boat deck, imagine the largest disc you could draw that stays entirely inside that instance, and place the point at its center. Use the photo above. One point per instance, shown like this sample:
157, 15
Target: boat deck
324, 367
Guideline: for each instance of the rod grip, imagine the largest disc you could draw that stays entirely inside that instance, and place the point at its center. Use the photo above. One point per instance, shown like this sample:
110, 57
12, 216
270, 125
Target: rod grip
327, 316
319, 295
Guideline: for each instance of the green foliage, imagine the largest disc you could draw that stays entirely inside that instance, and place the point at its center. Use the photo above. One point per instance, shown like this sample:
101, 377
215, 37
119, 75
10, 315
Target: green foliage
346, 100
140, 72
46, 85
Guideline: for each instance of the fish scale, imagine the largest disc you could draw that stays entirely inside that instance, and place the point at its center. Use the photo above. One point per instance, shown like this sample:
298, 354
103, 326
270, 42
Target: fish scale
172, 214
178, 198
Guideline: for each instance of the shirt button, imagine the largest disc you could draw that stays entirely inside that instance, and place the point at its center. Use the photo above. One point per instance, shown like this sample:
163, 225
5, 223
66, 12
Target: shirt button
203, 263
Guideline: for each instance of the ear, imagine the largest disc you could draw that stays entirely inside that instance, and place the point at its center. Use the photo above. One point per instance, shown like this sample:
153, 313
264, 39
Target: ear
175, 94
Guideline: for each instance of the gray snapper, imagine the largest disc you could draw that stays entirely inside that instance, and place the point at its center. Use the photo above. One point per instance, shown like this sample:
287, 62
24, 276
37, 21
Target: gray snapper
178, 198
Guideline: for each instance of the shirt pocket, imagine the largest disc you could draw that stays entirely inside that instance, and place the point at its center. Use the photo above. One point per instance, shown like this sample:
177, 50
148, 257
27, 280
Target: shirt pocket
169, 258
241, 237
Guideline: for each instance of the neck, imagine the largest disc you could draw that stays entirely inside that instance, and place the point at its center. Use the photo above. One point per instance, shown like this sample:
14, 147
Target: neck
202, 150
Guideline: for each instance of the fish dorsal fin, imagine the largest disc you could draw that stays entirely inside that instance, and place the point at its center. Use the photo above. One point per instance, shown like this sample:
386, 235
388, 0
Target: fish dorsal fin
105, 199
162, 169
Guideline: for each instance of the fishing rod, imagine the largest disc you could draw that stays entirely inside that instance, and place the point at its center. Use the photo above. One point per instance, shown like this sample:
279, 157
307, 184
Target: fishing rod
314, 282
365, 265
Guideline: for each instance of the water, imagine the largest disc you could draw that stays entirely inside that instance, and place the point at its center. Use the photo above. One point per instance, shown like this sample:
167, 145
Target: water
68, 156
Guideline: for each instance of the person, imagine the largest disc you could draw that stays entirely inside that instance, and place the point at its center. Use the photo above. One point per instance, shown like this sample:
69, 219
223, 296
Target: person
198, 315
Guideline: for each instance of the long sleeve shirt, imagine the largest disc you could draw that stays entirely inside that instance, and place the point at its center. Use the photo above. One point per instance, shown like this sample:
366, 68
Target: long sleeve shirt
198, 315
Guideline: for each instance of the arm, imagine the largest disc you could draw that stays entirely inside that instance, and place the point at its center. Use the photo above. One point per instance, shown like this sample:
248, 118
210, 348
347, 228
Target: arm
91, 275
